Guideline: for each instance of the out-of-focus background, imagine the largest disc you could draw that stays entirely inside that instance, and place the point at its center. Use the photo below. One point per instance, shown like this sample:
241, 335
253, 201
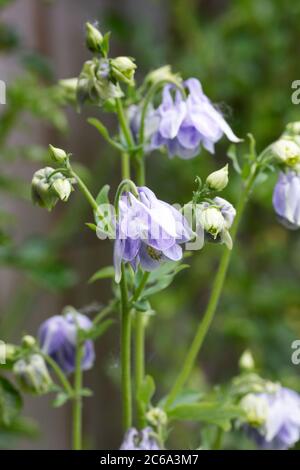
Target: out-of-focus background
245, 52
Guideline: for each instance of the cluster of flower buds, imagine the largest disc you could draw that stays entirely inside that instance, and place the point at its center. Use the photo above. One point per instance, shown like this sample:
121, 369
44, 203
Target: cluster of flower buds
216, 218
32, 374
49, 186
100, 78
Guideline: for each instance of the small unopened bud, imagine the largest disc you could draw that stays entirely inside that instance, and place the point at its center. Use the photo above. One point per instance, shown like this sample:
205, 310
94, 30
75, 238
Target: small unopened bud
123, 69
94, 38
293, 128
287, 152
246, 361
255, 408
57, 154
163, 74
218, 180
63, 188
156, 417
28, 341
48, 187
32, 374
212, 220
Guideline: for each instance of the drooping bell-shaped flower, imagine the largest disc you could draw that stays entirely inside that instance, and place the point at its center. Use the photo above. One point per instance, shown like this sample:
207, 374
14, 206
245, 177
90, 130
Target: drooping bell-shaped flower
273, 418
149, 231
139, 440
58, 337
48, 187
187, 124
286, 199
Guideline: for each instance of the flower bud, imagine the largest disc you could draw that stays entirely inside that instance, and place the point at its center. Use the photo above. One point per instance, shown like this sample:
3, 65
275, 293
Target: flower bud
32, 374
68, 88
41, 191
95, 85
94, 38
156, 417
47, 188
63, 188
287, 152
255, 408
123, 69
57, 155
212, 220
293, 128
246, 361
163, 74
28, 341
218, 180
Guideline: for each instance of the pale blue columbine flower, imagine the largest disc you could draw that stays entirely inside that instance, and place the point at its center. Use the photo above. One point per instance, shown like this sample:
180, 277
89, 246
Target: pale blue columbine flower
275, 418
188, 124
58, 336
149, 232
286, 199
139, 440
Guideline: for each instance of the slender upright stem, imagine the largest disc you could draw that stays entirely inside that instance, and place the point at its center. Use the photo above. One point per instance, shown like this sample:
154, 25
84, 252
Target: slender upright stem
140, 352
86, 192
77, 401
213, 302
59, 373
125, 353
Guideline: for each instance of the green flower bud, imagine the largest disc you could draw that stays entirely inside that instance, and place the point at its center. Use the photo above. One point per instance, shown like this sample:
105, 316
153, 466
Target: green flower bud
156, 417
163, 74
218, 180
123, 69
246, 361
212, 220
94, 38
293, 128
63, 188
47, 188
32, 374
95, 85
28, 341
57, 155
255, 408
286, 151
41, 189
68, 88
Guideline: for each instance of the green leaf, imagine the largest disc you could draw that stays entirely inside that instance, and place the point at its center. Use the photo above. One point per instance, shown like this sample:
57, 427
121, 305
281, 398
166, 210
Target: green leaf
86, 392
232, 154
220, 414
185, 397
147, 390
103, 273
162, 277
100, 127
60, 399
10, 402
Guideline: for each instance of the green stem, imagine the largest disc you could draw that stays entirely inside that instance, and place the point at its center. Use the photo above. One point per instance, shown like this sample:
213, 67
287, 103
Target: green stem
128, 137
59, 373
140, 352
77, 401
213, 301
139, 366
86, 192
125, 353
